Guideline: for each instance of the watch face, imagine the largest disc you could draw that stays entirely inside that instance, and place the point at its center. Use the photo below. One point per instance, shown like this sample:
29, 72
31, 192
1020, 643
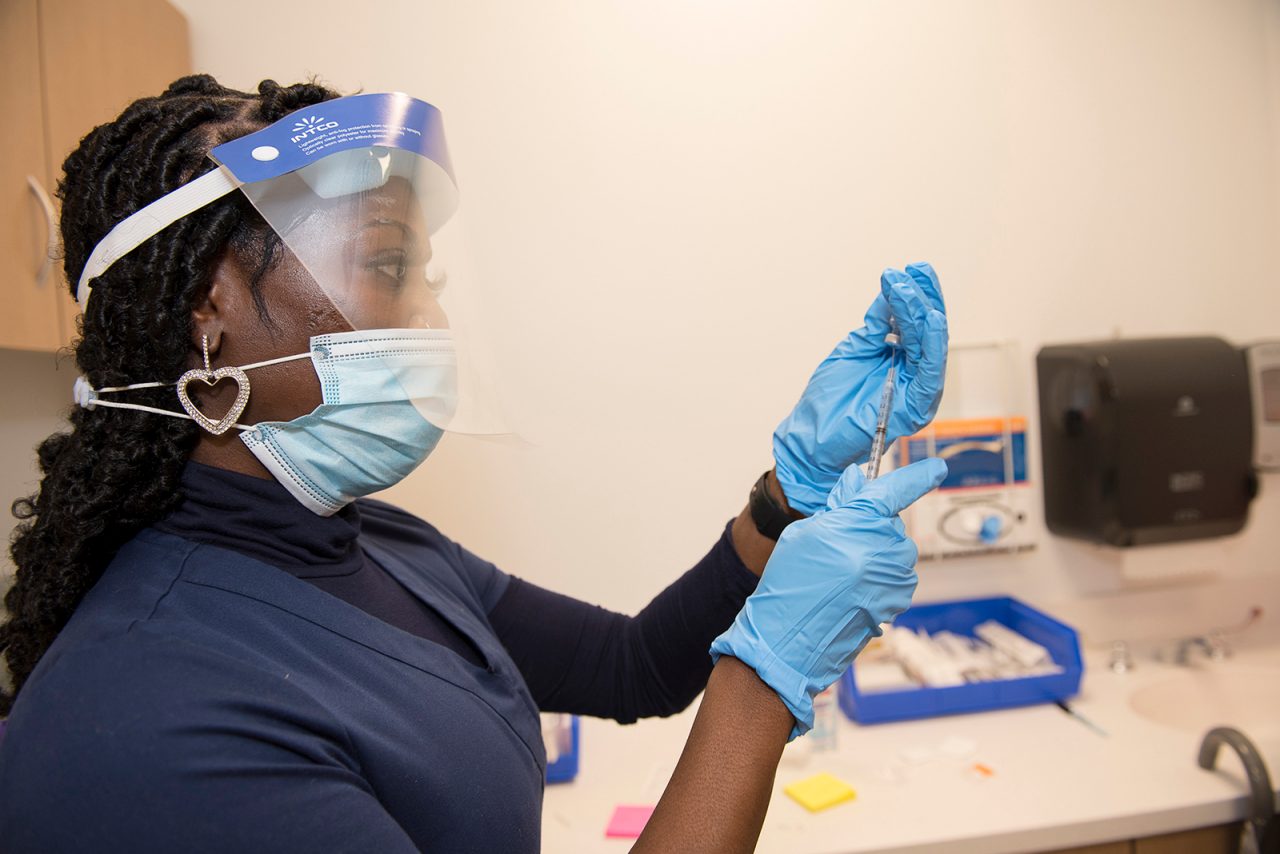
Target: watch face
1271, 395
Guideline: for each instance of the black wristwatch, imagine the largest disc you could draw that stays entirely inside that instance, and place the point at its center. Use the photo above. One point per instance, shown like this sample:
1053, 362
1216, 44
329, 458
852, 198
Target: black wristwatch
770, 516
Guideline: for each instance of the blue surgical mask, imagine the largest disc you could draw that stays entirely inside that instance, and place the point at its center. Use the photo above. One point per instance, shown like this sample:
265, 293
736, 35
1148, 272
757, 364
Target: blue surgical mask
372, 430
388, 396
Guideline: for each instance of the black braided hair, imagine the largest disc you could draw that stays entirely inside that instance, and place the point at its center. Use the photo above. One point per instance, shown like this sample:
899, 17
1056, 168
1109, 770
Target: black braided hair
118, 471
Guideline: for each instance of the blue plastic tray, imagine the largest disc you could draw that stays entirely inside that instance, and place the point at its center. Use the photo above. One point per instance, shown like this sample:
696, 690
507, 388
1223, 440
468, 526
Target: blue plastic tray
565, 768
960, 617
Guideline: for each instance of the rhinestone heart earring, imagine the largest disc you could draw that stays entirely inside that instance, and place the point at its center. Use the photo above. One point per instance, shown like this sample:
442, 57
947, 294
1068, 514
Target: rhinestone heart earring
210, 378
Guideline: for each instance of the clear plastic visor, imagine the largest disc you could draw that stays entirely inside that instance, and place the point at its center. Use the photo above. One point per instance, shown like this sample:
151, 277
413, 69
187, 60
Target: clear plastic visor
378, 231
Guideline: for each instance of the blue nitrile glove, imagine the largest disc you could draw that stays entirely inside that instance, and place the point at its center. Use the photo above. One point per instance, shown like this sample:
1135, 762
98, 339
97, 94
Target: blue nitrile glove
830, 583
834, 423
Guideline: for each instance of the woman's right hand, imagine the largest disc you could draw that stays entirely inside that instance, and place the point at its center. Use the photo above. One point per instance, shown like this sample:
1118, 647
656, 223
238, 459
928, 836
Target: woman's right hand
830, 583
833, 424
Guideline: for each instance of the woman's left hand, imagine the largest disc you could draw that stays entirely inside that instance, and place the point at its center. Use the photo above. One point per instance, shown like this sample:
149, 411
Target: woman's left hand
830, 583
833, 424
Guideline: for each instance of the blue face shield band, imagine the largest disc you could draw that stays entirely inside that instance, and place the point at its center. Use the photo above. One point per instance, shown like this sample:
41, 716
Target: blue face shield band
350, 148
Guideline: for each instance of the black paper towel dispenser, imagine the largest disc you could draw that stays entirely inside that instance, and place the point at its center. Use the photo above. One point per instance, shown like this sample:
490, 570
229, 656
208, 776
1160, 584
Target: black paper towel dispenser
1145, 441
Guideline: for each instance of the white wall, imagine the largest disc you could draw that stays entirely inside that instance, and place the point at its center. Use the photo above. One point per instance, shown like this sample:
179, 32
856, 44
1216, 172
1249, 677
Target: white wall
678, 208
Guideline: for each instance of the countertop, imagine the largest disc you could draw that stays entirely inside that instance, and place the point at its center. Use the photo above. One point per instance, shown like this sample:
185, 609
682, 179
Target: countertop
1054, 782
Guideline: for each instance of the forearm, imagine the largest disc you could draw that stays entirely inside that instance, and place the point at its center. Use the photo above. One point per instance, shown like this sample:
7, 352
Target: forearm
717, 797
579, 658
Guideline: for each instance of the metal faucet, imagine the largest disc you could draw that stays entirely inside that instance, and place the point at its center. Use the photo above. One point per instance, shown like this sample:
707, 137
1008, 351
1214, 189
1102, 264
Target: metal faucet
1120, 661
1213, 645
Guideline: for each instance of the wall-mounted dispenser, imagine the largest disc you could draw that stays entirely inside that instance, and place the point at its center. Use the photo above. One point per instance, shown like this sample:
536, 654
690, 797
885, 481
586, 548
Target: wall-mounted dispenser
1145, 441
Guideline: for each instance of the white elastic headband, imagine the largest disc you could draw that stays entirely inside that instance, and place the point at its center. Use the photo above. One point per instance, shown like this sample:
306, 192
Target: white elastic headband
131, 232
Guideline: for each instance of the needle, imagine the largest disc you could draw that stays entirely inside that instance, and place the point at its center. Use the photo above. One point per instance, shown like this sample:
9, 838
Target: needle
1082, 719
886, 404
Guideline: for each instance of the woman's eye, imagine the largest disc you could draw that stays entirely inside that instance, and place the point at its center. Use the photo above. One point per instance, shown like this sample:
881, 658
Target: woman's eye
393, 268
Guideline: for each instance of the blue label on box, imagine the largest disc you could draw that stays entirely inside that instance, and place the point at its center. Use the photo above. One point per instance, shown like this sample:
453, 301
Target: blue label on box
975, 451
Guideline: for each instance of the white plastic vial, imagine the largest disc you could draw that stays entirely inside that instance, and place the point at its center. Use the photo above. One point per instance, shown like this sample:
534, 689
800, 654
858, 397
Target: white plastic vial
825, 718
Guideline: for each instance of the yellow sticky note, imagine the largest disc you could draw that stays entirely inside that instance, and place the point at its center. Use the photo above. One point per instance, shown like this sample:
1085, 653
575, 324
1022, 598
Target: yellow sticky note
819, 792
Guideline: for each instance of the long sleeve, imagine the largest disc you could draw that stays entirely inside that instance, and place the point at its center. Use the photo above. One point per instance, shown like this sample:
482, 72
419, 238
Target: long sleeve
580, 658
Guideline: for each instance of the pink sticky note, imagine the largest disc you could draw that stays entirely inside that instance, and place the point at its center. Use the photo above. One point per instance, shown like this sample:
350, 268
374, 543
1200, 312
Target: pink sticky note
627, 822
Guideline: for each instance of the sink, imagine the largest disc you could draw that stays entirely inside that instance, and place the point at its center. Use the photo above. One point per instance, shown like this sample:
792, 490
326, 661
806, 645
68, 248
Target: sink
1199, 698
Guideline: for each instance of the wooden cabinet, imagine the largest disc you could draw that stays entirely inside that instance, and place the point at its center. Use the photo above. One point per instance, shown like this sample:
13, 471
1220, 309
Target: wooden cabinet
29, 312
1220, 839
68, 65
1125, 847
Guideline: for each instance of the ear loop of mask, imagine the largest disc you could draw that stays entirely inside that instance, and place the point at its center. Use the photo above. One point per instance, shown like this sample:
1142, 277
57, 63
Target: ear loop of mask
87, 396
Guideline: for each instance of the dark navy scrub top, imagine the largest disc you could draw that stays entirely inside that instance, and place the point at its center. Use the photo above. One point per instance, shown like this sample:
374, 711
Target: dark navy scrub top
202, 699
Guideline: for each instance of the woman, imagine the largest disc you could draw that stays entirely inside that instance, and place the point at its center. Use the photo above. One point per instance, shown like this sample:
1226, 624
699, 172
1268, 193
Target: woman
217, 644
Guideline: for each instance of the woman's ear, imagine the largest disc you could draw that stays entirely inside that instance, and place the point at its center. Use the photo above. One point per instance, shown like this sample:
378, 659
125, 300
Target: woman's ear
215, 310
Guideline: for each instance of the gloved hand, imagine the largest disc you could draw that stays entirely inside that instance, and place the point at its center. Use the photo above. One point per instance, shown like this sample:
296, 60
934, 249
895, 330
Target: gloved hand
830, 583
834, 423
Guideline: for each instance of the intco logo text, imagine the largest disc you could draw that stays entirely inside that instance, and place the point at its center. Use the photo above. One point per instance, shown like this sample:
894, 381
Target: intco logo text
310, 126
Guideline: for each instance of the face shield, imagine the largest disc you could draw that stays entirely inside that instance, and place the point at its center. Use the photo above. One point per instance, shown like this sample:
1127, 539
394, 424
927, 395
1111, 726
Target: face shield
361, 192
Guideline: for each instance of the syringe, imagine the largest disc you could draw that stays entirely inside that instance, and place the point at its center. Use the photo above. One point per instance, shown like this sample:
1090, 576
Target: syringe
886, 404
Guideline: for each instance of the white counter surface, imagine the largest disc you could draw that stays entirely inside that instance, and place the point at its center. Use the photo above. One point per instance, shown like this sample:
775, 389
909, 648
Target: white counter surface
1055, 783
